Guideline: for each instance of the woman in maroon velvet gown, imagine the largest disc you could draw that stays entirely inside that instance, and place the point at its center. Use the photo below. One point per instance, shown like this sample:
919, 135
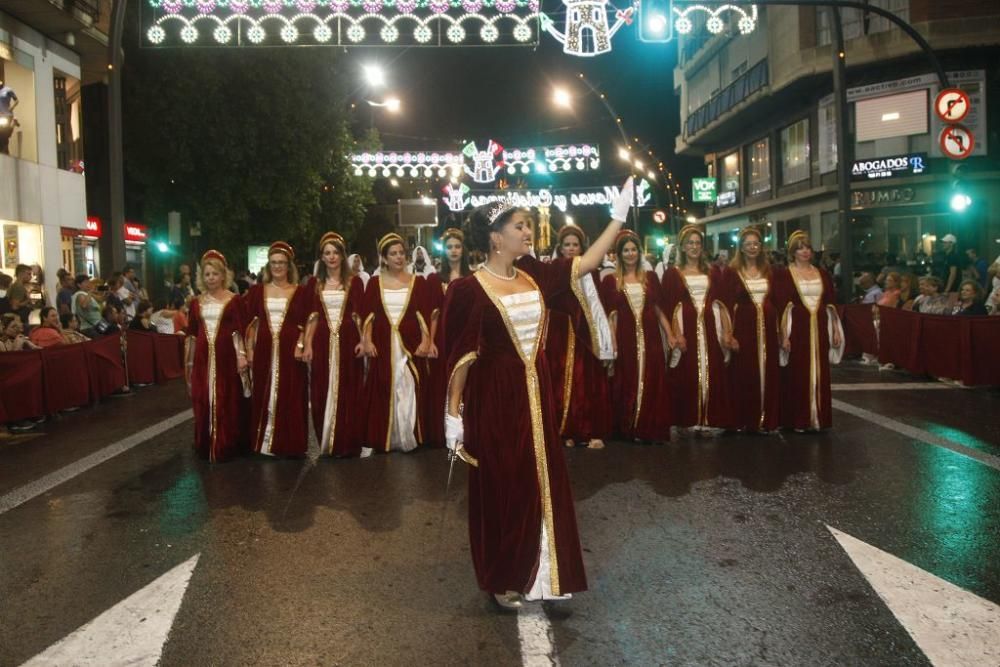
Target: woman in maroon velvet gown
454, 266
639, 393
501, 419
698, 377
216, 358
278, 309
396, 334
754, 371
334, 351
577, 334
812, 338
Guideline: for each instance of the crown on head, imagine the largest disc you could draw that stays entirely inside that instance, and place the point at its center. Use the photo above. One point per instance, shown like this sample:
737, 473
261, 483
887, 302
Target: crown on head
331, 237
216, 255
283, 248
497, 209
389, 239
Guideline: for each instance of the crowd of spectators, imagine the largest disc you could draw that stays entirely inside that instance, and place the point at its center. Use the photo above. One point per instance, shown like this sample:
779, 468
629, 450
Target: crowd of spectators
84, 308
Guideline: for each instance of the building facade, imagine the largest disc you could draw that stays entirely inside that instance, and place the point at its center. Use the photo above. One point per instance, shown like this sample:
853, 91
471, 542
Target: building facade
48, 52
759, 109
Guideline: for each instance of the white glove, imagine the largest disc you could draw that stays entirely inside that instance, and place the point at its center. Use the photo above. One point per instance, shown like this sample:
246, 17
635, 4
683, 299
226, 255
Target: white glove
453, 431
623, 202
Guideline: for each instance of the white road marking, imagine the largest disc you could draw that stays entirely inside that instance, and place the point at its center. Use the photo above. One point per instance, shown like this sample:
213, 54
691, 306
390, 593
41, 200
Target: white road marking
23, 494
950, 625
133, 632
889, 386
918, 433
535, 634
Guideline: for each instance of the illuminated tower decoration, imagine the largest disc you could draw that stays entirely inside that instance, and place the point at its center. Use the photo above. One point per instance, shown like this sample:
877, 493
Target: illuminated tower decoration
587, 32
456, 196
485, 164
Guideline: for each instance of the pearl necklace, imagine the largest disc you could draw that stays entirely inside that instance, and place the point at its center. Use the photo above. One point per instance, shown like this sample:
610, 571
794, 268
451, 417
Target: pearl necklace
486, 267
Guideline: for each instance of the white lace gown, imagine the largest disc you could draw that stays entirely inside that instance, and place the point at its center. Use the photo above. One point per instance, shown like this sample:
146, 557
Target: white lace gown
211, 314
525, 311
404, 418
697, 286
276, 308
811, 292
333, 303
757, 287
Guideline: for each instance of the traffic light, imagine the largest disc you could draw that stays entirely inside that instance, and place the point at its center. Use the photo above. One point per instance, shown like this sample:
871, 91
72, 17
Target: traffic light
961, 200
656, 22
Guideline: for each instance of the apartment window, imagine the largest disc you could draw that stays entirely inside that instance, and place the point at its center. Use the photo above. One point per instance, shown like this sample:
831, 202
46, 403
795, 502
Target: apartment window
858, 23
69, 143
795, 152
759, 159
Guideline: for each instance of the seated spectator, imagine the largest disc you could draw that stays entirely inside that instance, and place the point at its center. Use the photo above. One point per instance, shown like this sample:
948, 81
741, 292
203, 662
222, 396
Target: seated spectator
180, 308
86, 305
49, 332
111, 321
970, 299
123, 296
12, 338
907, 291
143, 320
891, 294
163, 320
931, 301
110, 291
870, 291
71, 329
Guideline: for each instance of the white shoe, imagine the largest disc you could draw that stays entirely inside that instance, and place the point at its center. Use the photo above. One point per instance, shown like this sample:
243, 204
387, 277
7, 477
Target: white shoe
366, 452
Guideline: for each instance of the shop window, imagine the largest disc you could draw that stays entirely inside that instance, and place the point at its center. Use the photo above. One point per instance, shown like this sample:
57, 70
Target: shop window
729, 180
17, 105
69, 142
795, 152
759, 158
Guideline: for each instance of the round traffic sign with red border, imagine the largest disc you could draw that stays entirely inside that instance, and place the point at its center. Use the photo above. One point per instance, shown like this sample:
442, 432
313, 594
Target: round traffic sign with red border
659, 217
957, 141
952, 105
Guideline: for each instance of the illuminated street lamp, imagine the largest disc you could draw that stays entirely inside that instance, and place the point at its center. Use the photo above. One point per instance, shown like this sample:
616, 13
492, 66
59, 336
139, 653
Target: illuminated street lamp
562, 98
374, 75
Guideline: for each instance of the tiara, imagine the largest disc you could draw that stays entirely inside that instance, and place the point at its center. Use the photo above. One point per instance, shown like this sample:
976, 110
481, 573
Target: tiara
497, 209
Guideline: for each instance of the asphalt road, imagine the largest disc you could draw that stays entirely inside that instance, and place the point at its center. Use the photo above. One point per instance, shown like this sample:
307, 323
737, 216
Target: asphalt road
735, 550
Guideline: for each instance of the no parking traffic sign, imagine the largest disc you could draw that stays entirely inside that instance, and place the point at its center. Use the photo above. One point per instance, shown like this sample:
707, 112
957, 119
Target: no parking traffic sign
952, 105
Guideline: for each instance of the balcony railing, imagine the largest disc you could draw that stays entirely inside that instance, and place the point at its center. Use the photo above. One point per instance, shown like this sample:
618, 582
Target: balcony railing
741, 88
86, 7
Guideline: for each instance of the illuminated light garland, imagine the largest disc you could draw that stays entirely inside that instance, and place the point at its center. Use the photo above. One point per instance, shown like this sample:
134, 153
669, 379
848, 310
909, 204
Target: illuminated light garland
485, 163
344, 21
715, 24
458, 198
412, 162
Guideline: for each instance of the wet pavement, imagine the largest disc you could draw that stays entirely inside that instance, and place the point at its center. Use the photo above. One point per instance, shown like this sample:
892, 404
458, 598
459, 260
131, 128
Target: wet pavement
705, 551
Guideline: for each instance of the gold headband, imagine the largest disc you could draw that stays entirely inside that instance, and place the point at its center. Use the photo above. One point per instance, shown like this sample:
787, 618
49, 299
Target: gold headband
389, 239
